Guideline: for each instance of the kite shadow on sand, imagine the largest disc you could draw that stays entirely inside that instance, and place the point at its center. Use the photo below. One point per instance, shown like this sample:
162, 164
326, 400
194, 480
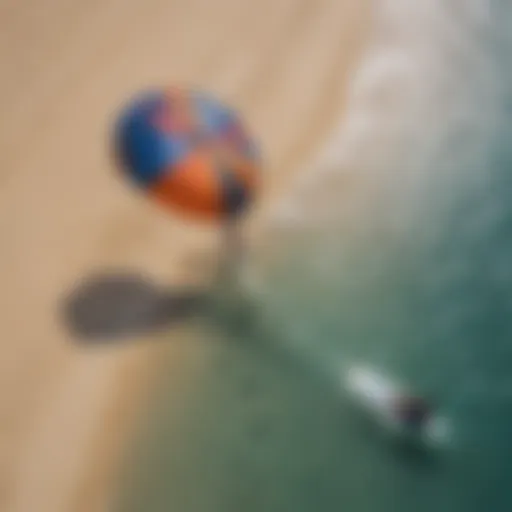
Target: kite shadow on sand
109, 307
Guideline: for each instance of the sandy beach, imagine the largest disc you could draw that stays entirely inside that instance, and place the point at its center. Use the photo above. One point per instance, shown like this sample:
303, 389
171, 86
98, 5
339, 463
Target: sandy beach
285, 64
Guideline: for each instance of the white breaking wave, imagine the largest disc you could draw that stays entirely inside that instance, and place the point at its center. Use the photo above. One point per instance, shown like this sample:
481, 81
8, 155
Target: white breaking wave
425, 84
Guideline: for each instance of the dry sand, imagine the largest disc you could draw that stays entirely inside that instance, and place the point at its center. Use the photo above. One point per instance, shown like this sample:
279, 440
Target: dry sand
66, 66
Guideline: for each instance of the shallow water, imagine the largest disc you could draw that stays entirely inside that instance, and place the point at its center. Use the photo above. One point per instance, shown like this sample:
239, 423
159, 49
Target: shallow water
409, 270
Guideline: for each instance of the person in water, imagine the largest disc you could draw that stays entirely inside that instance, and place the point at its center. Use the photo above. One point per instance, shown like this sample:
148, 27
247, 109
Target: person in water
414, 412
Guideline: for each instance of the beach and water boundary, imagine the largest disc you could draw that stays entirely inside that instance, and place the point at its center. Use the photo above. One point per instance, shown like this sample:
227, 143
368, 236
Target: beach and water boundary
396, 256
393, 250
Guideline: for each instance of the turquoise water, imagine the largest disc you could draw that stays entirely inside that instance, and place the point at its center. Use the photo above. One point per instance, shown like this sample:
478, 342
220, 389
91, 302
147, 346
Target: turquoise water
411, 273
